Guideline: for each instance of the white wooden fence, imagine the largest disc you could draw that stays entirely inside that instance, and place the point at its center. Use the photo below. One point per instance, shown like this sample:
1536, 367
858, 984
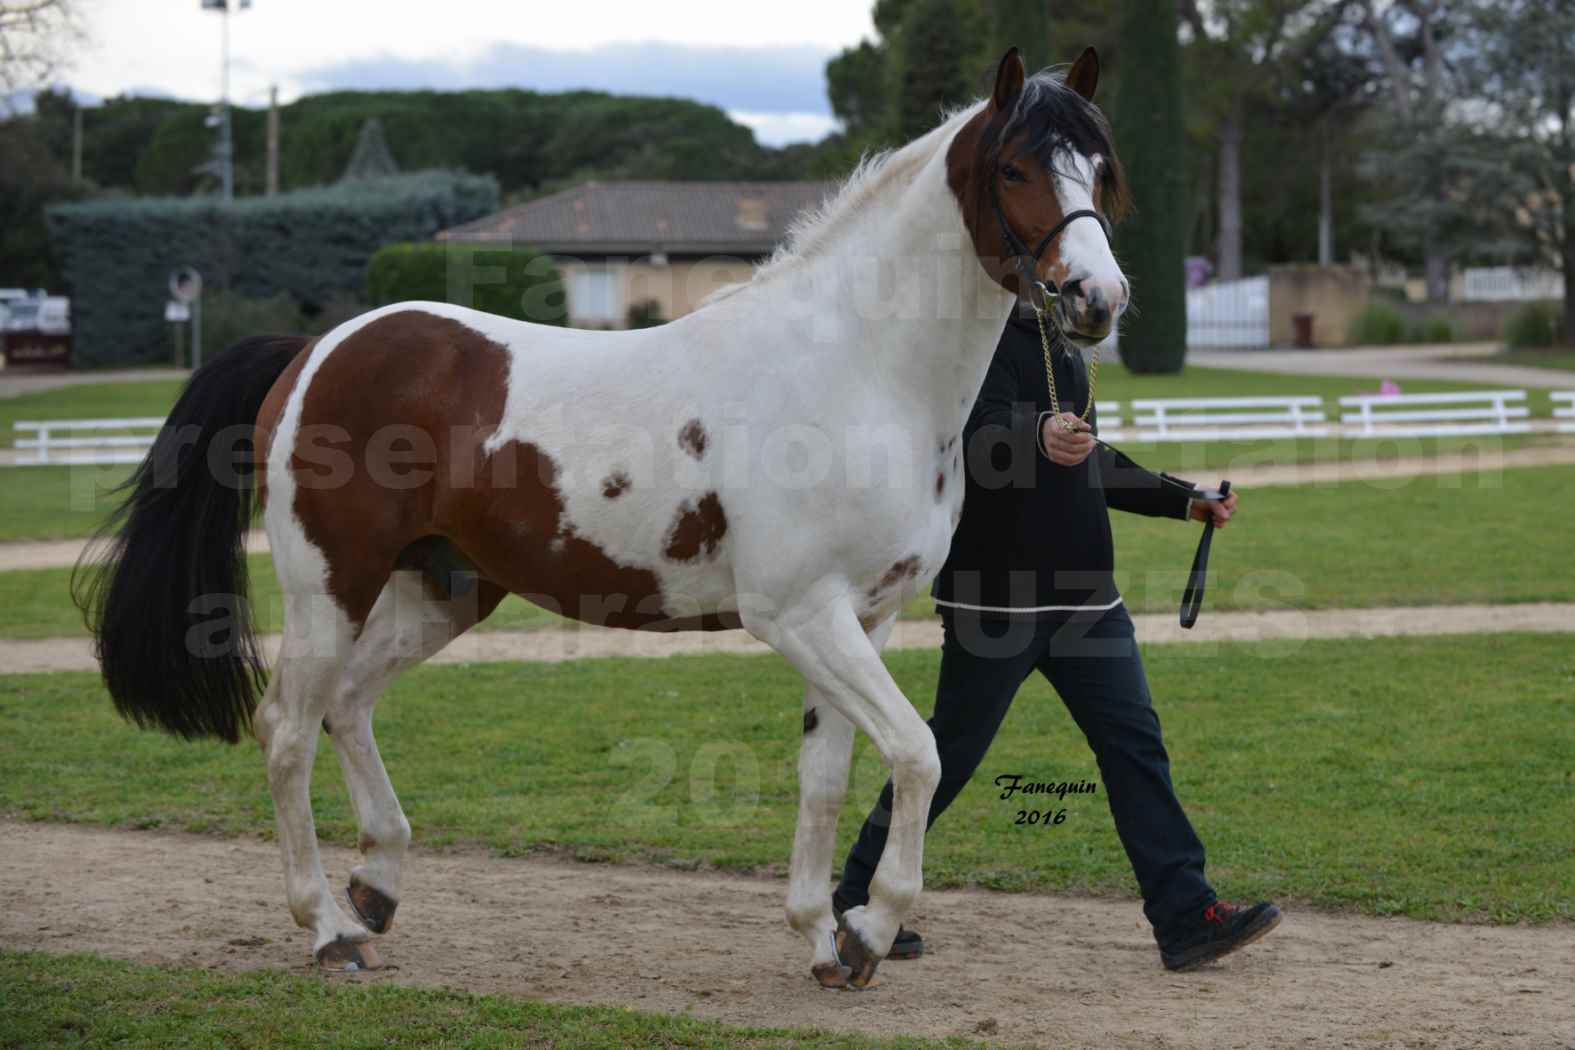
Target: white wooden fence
1564, 411
1435, 415
51, 441
1222, 419
101, 441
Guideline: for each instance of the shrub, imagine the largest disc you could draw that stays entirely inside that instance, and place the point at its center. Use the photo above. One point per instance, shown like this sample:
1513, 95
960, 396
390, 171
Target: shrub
500, 280
647, 313
1378, 325
1534, 326
1440, 330
228, 317
313, 245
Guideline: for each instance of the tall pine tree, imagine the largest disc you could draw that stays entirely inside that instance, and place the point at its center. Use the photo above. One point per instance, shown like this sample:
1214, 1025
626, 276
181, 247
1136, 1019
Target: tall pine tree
1150, 134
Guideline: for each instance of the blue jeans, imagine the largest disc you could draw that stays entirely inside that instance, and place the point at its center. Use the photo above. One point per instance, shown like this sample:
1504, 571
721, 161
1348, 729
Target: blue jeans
1092, 661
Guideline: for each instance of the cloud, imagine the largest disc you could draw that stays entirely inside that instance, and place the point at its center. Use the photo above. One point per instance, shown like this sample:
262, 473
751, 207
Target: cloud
760, 81
779, 129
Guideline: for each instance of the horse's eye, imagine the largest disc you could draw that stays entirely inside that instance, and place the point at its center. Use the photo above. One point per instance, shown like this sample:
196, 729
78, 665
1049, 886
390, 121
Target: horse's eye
1010, 173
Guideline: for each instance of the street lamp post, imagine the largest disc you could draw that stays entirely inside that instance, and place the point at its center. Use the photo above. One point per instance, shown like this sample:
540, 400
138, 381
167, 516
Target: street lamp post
225, 153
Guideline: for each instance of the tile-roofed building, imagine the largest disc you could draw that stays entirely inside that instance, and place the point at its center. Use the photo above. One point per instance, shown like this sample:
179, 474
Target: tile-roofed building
656, 249
651, 218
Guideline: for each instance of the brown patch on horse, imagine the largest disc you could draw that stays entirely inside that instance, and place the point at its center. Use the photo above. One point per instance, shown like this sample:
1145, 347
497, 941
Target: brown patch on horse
615, 484
693, 439
940, 485
697, 528
377, 474
811, 720
906, 569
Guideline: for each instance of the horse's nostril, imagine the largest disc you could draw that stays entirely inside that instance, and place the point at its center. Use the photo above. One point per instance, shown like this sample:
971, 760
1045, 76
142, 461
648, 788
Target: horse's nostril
1072, 289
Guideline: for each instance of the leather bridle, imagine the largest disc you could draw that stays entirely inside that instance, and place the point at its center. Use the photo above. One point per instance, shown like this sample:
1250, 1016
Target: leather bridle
1039, 294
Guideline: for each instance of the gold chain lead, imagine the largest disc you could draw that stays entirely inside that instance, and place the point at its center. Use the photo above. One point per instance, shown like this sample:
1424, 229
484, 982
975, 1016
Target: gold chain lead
1055, 402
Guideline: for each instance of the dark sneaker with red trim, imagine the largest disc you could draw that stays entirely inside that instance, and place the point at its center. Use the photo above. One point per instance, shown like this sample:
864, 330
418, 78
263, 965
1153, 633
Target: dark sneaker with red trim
908, 945
1217, 931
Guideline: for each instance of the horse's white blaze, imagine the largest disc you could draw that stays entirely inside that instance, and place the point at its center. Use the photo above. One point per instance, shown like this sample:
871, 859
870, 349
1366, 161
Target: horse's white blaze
1085, 250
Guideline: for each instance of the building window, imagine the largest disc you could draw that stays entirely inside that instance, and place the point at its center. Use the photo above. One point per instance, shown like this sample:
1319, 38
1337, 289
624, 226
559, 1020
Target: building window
596, 295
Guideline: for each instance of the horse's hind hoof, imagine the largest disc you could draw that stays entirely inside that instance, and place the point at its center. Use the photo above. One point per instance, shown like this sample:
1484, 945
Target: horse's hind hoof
830, 975
344, 956
372, 906
856, 957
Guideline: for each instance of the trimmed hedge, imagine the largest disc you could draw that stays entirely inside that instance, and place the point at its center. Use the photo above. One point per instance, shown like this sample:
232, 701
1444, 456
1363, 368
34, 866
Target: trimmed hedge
312, 245
511, 282
1535, 326
1377, 325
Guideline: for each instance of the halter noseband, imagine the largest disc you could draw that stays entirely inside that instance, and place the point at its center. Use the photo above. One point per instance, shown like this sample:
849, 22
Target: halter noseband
1038, 294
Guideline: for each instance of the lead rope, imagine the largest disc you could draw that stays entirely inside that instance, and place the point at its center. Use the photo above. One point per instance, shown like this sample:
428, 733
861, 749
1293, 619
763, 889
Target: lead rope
1093, 368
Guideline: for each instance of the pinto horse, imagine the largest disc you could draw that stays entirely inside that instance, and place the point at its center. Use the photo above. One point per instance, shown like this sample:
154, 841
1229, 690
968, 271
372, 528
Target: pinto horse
785, 459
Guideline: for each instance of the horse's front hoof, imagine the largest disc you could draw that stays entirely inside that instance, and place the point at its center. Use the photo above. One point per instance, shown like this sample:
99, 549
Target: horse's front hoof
830, 975
859, 960
372, 906
345, 956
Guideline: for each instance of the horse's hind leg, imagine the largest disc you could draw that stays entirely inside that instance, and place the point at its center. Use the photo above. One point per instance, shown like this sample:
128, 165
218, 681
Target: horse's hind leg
408, 624
316, 645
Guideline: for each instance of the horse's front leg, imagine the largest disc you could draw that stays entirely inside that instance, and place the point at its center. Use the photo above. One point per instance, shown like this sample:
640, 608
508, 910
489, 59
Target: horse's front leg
824, 755
827, 644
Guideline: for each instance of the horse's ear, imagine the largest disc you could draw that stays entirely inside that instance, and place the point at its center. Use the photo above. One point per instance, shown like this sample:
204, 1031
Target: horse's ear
1083, 77
1008, 80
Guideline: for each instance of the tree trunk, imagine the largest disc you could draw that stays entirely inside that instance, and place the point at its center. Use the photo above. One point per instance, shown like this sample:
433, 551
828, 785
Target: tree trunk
1325, 199
1230, 194
1435, 263
1569, 272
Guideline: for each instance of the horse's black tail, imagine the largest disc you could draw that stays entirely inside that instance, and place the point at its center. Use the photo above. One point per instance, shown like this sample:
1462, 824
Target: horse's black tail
174, 553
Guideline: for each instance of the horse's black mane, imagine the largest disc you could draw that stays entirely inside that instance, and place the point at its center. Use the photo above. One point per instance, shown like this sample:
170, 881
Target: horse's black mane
1052, 119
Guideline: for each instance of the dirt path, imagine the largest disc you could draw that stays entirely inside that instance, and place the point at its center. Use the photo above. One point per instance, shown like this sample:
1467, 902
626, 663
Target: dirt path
14, 382
1057, 971
586, 642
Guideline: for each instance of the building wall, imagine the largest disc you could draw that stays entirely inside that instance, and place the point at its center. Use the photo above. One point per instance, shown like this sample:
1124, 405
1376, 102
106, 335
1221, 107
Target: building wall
677, 287
1334, 295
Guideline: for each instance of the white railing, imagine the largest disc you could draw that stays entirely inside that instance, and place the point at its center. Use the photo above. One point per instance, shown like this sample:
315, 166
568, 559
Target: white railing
1224, 419
1506, 283
47, 447
1435, 415
1563, 411
1109, 415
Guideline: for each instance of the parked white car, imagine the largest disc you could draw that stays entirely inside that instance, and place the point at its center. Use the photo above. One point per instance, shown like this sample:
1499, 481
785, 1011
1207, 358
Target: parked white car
50, 315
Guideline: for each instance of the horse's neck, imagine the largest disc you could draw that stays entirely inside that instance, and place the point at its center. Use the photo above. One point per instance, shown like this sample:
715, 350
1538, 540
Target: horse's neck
896, 290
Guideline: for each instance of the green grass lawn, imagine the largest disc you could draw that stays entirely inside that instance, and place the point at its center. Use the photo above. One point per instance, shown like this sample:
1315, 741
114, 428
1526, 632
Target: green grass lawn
1416, 542
150, 398
1563, 360
1427, 777
82, 1001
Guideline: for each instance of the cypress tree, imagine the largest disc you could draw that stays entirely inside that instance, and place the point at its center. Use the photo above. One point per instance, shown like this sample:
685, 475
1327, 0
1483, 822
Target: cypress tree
931, 52
1150, 134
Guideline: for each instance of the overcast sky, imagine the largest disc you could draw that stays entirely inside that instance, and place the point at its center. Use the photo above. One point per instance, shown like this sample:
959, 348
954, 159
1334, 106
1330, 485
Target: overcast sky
762, 62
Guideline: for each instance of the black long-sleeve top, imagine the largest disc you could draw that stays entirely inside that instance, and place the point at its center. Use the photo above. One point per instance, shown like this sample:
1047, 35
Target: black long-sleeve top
1034, 539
